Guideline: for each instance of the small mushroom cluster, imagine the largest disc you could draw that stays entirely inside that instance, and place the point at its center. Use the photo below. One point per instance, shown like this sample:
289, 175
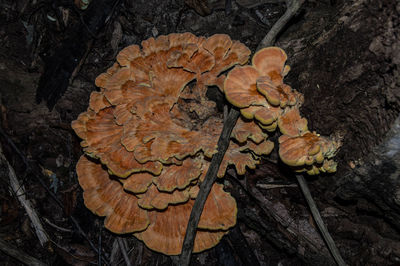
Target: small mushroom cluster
258, 90
148, 137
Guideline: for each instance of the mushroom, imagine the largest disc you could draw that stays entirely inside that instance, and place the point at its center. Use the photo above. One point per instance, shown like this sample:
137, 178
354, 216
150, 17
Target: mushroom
155, 199
105, 197
260, 94
259, 91
147, 153
150, 141
308, 152
102, 139
247, 130
179, 176
291, 123
244, 155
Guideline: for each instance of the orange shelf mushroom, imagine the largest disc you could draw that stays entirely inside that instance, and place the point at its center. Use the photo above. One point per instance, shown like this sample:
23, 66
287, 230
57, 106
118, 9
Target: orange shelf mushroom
308, 152
258, 90
291, 123
260, 94
146, 150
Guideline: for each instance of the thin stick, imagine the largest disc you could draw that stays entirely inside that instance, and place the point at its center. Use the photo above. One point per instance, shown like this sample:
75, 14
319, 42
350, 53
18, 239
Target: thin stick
122, 247
59, 228
19, 191
292, 7
99, 254
272, 186
19, 255
114, 252
205, 187
320, 223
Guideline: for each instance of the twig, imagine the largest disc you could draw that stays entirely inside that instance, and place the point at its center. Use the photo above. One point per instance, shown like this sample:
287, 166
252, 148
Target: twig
205, 187
99, 254
223, 143
292, 7
320, 223
114, 252
271, 186
19, 192
139, 247
122, 247
19, 255
57, 227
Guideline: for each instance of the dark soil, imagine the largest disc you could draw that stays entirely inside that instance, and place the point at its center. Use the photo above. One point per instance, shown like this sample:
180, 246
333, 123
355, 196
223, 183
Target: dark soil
345, 58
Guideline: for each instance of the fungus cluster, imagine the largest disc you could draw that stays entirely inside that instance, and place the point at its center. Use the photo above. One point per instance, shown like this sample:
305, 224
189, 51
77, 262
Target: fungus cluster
148, 137
150, 132
258, 90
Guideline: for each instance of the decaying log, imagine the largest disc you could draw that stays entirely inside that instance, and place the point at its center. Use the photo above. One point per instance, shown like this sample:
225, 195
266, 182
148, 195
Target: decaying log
378, 178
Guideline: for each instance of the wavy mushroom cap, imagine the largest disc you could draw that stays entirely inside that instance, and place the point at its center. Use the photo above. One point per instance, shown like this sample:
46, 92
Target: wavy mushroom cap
157, 137
179, 176
102, 139
241, 89
303, 152
277, 95
265, 115
270, 61
247, 130
105, 197
291, 123
162, 227
241, 156
258, 90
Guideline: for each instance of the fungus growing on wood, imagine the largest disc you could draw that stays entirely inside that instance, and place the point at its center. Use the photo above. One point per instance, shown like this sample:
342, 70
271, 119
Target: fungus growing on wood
261, 84
258, 90
247, 130
308, 152
291, 123
105, 197
151, 131
148, 150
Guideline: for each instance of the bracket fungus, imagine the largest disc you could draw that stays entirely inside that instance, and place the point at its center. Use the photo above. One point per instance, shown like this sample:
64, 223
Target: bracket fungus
148, 135
147, 148
260, 94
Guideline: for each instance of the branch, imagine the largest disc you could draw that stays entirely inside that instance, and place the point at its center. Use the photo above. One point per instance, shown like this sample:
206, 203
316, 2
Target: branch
205, 187
292, 7
320, 223
122, 247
